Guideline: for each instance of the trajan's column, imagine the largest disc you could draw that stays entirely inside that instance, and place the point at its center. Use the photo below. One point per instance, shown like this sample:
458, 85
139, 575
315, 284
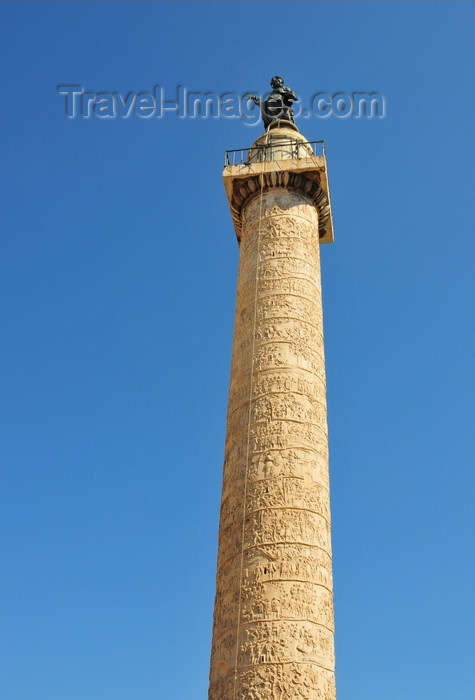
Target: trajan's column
273, 620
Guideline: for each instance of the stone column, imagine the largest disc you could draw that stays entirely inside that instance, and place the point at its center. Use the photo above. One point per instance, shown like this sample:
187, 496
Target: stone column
273, 623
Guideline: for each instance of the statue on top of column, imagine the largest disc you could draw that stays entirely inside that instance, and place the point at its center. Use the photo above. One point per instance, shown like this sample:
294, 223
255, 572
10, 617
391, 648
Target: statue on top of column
278, 104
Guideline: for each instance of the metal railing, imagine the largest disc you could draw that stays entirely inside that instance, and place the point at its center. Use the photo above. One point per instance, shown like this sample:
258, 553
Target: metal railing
276, 150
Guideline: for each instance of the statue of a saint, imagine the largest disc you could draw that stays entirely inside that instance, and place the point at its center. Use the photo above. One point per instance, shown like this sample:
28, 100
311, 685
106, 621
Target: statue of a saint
278, 104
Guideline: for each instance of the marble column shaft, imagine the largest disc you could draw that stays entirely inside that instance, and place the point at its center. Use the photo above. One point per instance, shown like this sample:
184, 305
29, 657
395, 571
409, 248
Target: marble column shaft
273, 623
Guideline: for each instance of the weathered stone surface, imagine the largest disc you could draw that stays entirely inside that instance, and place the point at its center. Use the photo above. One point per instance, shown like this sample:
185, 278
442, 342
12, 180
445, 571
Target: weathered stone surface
273, 622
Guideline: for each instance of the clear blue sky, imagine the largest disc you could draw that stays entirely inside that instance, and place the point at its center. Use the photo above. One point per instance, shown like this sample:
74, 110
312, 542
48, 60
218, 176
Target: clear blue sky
118, 268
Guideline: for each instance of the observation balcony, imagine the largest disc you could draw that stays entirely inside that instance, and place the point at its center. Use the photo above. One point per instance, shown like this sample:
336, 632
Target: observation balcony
280, 158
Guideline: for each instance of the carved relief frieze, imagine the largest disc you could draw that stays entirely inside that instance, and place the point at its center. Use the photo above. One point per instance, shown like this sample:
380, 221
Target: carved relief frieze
264, 458
300, 286
278, 204
273, 623
292, 525
287, 600
292, 562
290, 681
288, 491
284, 408
295, 307
293, 380
278, 268
286, 641
268, 251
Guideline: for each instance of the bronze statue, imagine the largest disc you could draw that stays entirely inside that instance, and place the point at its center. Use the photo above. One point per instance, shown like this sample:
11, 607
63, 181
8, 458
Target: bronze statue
278, 104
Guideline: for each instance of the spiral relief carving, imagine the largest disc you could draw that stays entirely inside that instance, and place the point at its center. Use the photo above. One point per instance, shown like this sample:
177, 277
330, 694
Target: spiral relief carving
273, 621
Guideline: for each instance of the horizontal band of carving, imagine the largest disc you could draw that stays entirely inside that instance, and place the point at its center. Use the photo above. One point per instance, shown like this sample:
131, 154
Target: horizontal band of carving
262, 620
276, 543
278, 479
279, 265
269, 396
283, 380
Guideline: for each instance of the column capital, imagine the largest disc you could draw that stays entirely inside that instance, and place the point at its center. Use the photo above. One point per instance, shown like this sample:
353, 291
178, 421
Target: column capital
281, 158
